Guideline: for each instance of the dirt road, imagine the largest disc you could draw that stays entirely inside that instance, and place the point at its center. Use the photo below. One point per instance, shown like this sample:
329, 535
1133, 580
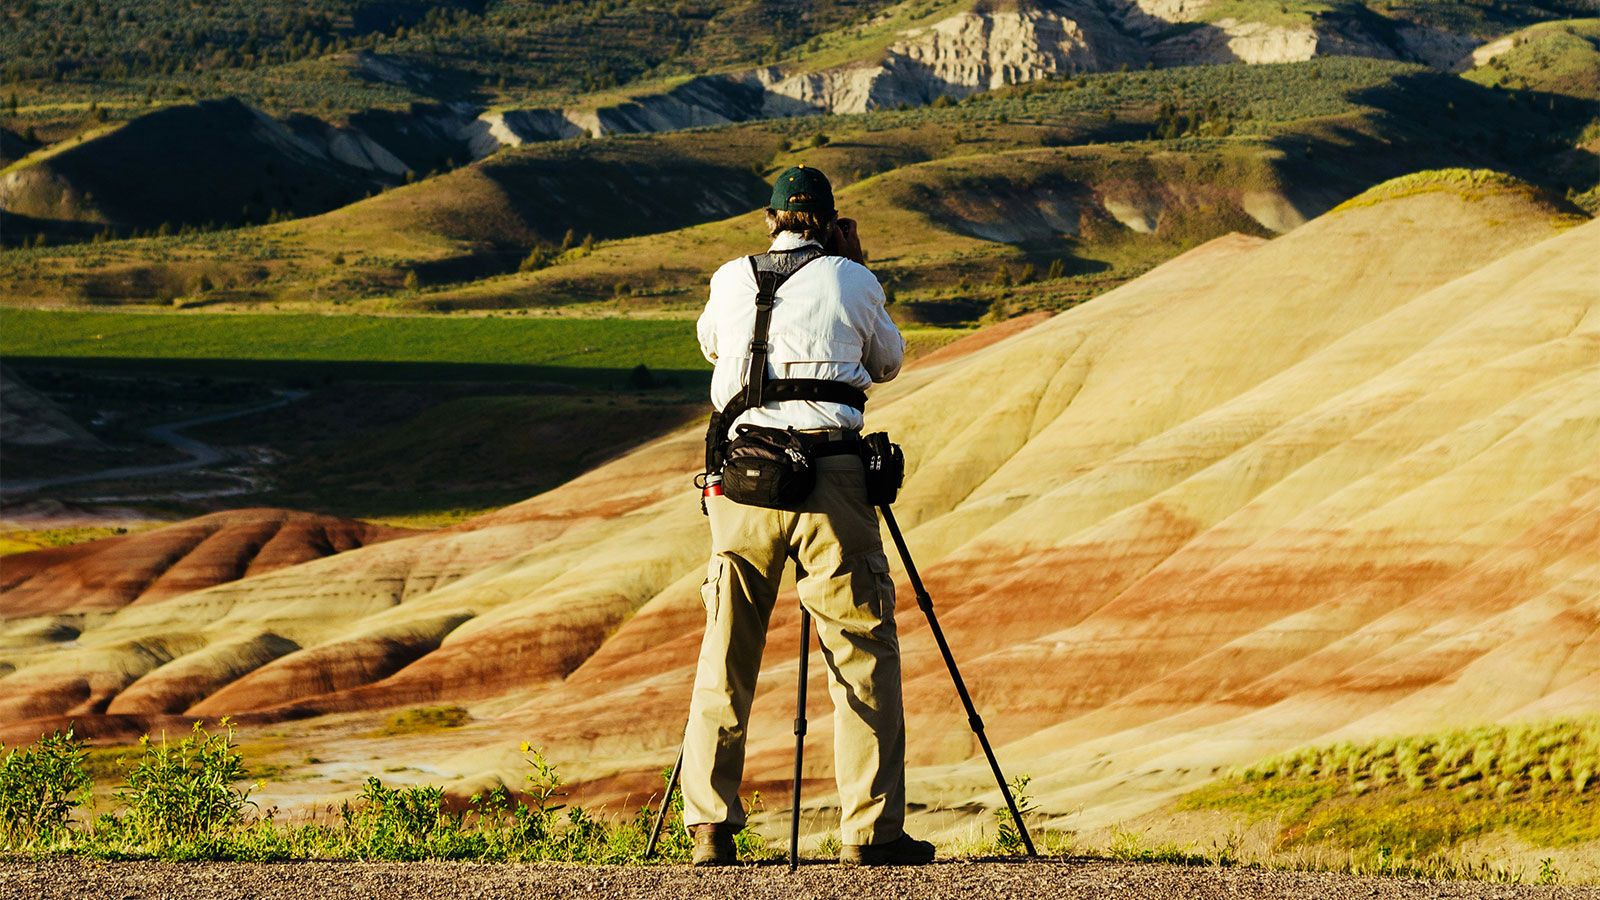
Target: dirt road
201, 454
945, 881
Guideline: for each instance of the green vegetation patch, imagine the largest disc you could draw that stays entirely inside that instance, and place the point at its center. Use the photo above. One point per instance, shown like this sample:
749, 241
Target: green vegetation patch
1414, 797
1284, 13
1472, 184
423, 719
191, 799
1558, 57
23, 540
573, 350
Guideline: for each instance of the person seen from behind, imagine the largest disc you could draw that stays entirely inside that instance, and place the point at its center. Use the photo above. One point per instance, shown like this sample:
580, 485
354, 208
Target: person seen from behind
828, 323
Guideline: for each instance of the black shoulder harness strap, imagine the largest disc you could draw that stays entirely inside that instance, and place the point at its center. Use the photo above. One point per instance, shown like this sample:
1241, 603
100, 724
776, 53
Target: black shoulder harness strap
759, 389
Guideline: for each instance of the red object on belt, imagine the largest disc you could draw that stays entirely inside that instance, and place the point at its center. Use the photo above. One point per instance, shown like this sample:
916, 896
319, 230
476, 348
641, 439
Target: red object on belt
712, 490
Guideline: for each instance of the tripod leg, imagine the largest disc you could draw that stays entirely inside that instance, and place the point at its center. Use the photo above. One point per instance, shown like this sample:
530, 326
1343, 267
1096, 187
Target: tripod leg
666, 801
799, 738
925, 602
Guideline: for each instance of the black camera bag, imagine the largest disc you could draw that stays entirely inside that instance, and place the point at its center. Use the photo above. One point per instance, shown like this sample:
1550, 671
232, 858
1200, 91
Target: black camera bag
768, 467
885, 465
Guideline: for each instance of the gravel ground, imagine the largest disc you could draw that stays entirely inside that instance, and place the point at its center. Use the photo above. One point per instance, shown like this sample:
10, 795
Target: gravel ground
72, 880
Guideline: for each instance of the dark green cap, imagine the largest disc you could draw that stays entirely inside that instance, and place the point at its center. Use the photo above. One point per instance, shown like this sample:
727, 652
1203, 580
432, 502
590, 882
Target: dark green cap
802, 189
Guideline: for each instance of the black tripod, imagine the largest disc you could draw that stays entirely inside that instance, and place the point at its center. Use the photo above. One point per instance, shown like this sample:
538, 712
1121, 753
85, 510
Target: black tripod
925, 603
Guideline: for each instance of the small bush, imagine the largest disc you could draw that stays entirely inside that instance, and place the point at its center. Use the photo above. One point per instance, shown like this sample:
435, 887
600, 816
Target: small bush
538, 258
40, 785
176, 793
1010, 839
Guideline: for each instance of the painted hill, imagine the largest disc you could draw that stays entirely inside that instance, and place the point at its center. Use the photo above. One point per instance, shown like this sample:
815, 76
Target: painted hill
1340, 483
53, 595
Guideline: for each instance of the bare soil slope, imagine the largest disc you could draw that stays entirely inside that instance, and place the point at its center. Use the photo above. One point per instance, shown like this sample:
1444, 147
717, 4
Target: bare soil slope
1343, 482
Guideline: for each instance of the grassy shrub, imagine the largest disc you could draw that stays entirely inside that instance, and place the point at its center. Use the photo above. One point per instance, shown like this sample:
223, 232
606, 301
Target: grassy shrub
425, 718
1412, 799
1472, 184
175, 794
40, 785
190, 801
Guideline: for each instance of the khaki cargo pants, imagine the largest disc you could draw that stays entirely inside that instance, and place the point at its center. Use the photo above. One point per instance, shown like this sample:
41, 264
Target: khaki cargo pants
843, 580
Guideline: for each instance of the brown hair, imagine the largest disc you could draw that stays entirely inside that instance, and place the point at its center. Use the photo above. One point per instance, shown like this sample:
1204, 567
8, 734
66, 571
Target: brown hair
813, 226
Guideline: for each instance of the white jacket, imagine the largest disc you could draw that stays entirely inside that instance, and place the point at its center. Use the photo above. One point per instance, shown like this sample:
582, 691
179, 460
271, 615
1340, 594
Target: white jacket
828, 321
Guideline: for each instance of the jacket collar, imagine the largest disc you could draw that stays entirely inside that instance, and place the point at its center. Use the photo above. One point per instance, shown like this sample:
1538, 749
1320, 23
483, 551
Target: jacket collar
789, 240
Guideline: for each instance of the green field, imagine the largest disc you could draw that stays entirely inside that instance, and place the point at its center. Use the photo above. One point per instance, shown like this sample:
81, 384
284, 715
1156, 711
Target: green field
595, 352
417, 421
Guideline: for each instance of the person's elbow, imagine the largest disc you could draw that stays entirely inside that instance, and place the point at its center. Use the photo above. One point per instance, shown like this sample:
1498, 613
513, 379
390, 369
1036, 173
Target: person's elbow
885, 364
706, 332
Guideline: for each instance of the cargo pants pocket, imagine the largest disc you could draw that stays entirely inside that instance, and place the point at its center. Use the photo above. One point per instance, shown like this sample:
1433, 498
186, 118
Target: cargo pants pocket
871, 585
711, 588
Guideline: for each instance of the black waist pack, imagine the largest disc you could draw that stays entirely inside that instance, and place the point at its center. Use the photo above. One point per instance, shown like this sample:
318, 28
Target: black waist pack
885, 466
768, 467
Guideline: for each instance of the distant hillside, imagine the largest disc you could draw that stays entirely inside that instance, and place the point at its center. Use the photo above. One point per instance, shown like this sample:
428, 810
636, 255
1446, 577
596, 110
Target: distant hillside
215, 162
1556, 57
1089, 180
401, 90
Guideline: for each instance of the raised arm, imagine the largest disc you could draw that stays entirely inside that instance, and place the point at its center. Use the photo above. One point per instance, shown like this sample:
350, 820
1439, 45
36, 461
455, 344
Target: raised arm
884, 349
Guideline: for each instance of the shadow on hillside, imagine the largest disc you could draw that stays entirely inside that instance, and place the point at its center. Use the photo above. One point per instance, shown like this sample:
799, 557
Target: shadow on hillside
1433, 120
372, 440
319, 373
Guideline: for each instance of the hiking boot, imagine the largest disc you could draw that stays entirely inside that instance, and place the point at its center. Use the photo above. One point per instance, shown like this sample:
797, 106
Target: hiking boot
713, 845
902, 851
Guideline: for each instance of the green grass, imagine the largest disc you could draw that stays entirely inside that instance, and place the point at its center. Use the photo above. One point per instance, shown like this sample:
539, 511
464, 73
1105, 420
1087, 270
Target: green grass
1284, 13
585, 351
1419, 797
23, 540
868, 42
424, 719
389, 441
1472, 184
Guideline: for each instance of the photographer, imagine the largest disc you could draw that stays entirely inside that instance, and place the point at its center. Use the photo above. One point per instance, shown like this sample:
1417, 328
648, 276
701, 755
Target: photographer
825, 322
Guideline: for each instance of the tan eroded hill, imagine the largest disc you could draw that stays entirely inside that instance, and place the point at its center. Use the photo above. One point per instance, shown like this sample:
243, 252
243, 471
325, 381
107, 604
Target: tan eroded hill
1343, 482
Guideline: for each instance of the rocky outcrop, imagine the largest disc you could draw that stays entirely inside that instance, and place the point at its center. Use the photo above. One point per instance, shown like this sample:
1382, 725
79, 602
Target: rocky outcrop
1203, 32
1436, 47
975, 51
972, 51
982, 49
1232, 41
517, 127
